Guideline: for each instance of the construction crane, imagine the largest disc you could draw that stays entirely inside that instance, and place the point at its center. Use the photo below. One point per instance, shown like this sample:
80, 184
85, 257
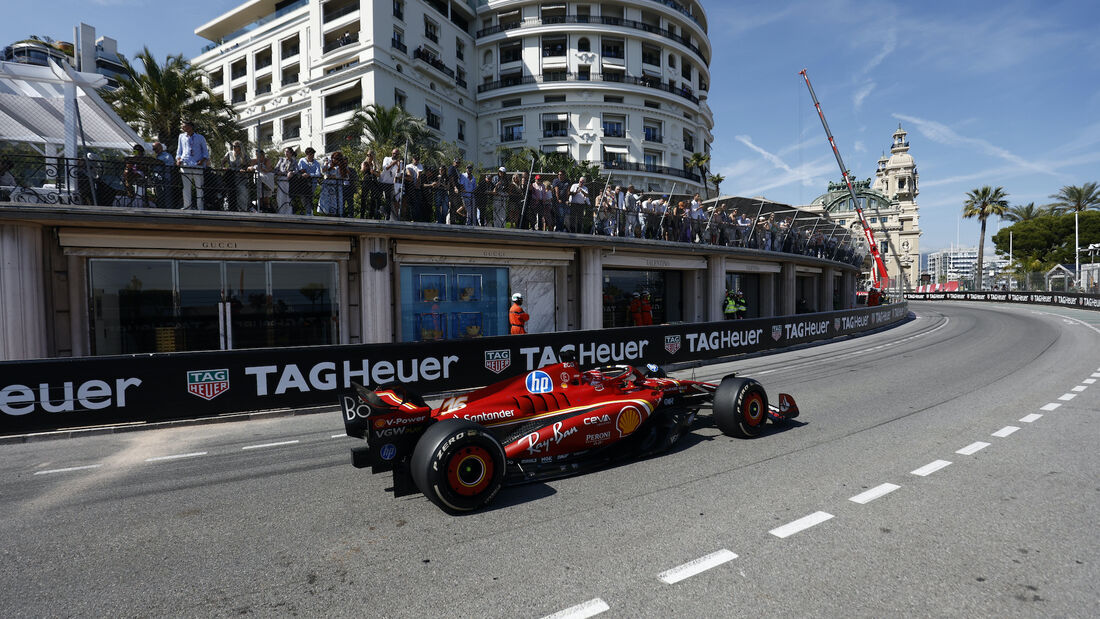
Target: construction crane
879, 277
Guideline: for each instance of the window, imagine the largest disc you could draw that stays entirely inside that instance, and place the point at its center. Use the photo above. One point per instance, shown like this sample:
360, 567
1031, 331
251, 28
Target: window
398, 41
462, 130
509, 19
553, 47
511, 129
652, 130
613, 76
651, 54
238, 94
400, 98
288, 48
653, 104
399, 9
612, 99
472, 302
431, 30
511, 52
460, 49
685, 71
884, 247
614, 126
584, 73
689, 141
460, 76
613, 48
511, 78
873, 220
238, 69
553, 98
511, 103
614, 157
217, 78
553, 13
651, 158
583, 45
433, 115
555, 125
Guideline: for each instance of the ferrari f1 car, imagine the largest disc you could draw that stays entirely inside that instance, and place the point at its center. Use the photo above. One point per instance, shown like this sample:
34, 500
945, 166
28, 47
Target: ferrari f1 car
550, 422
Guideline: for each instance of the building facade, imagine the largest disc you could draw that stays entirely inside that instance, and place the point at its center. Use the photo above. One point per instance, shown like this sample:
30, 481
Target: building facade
953, 264
88, 53
890, 207
622, 85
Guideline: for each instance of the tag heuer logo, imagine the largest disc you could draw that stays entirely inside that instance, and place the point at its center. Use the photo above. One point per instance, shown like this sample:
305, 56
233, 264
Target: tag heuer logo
777, 332
496, 361
208, 384
672, 344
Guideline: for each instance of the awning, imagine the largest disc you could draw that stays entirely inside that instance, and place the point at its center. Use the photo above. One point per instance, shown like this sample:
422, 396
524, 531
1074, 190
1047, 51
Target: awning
617, 149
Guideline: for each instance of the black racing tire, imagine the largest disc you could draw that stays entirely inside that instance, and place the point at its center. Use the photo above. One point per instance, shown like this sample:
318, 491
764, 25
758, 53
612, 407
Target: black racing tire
458, 465
740, 407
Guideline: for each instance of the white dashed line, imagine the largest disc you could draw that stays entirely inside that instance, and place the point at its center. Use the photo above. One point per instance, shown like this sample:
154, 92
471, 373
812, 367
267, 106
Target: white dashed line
864, 498
1066, 397
972, 448
930, 468
1095, 375
1050, 407
1080, 388
801, 524
337, 435
590, 608
1030, 418
1005, 431
176, 457
698, 566
270, 445
1089, 381
71, 468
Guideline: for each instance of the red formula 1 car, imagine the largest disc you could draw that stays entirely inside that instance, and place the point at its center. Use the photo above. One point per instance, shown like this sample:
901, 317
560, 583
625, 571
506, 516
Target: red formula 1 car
550, 422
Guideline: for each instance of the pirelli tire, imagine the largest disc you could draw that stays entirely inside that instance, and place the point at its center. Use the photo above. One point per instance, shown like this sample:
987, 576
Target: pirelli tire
458, 465
740, 407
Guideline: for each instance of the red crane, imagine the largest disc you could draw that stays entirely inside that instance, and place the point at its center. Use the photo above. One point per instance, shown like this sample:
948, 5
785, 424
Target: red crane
879, 277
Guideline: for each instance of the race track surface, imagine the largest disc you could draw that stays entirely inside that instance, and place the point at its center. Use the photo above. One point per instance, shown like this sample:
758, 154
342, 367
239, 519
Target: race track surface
946, 467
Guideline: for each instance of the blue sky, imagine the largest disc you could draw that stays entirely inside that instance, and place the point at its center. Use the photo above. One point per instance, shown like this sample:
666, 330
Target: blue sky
998, 93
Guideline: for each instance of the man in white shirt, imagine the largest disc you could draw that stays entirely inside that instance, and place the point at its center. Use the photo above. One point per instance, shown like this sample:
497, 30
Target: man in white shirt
631, 201
192, 155
578, 199
391, 167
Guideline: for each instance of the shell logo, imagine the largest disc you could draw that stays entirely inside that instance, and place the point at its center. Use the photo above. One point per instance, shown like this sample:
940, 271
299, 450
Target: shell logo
628, 420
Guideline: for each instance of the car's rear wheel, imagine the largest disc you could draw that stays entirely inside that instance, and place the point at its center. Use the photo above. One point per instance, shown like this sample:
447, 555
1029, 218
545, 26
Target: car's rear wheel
740, 407
458, 465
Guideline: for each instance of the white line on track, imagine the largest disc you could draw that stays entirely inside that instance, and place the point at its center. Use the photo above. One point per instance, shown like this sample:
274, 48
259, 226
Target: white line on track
801, 524
270, 445
930, 468
697, 566
1080, 388
1050, 407
1066, 397
1005, 431
1095, 375
1089, 381
1030, 418
972, 448
176, 456
590, 608
864, 498
71, 468
337, 435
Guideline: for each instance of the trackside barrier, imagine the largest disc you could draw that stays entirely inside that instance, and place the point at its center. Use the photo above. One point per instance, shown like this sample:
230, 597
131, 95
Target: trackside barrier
50, 394
1062, 299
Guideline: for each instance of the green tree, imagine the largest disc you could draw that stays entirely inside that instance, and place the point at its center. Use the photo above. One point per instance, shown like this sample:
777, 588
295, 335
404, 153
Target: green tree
385, 128
1025, 212
717, 180
982, 203
699, 161
1074, 199
154, 101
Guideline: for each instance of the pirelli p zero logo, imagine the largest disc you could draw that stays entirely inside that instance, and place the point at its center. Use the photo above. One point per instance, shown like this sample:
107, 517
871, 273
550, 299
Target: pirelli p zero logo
208, 384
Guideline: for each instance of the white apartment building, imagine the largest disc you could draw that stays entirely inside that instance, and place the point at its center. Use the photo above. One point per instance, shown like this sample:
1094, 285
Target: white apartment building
622, 83
952, 264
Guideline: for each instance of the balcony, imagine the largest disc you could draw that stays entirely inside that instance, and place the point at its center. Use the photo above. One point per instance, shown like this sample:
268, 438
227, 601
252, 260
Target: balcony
431, 36
512, 134
238, 74
334, 14
292, 133
428, 58
347, 39
607, 21
626, 166
263, 90
293, 6
461, 82
619, 78
653, 136
555, 133
399, 46
290, 52
341, 108
614, 131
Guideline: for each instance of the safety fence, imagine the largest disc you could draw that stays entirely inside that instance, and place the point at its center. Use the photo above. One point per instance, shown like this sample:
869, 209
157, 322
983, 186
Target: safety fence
332, 187
1063, 299
50, 394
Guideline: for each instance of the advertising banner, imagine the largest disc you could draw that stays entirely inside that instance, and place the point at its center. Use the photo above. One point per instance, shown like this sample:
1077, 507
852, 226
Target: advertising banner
46, 394
1063, 299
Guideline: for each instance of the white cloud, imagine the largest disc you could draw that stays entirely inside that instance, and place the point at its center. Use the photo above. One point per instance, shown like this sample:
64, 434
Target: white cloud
942, 134
861, 94
888, 46
859, 147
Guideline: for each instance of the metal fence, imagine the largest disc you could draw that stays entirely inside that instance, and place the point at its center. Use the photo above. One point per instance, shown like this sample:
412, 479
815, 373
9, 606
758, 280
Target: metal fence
447, 195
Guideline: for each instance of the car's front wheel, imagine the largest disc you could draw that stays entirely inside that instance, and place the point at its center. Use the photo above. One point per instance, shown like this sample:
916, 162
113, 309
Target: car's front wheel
740, 407
458, 465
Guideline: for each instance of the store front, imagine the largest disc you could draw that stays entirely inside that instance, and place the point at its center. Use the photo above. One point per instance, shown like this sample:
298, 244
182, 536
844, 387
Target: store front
664, 288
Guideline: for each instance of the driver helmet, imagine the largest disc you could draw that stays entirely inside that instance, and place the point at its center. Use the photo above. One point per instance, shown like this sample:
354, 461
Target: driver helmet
517, 297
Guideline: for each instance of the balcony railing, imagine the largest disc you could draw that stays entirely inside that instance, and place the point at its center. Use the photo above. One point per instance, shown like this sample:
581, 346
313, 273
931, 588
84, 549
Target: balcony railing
263, 63
263, 90
292, 134
460, 81
431, 36
580, 19
614, 132
594, 77
555, 133
420, 54
650, 168
290, 79
350, 38
398, 45
654, 137
290, 52
514, 135
236, 75
340, 108
293, 6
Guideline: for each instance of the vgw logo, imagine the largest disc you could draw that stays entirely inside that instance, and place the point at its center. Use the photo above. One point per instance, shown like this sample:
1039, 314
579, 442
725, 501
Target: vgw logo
208, 384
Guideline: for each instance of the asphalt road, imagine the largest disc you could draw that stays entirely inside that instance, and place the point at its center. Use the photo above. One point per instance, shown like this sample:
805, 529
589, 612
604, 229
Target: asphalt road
946, 467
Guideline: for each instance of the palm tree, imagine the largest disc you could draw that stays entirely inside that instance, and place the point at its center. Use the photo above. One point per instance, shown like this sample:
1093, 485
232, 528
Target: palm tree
156, 100
1076, 199
386, 128
699, 161
982, 203
717, 180
1025, 212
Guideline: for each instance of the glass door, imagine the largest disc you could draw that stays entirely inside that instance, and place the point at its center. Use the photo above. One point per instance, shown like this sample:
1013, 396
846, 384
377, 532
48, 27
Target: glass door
201, 322
248, 306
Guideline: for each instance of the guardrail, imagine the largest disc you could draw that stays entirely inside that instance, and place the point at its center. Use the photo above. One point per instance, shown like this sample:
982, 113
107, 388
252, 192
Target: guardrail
1062, 299
51, 394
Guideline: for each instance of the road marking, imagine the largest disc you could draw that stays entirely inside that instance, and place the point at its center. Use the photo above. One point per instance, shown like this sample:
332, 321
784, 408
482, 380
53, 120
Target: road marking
270, 445
801, 524
71, 468
763, 372
1080, 388
590, 608
1050, 407
930, 468
1066, 397
1089, 381
338, 435
698, 566
176, 457
1005, 431
864, 498
1095, 374
972, 448
1030, 418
